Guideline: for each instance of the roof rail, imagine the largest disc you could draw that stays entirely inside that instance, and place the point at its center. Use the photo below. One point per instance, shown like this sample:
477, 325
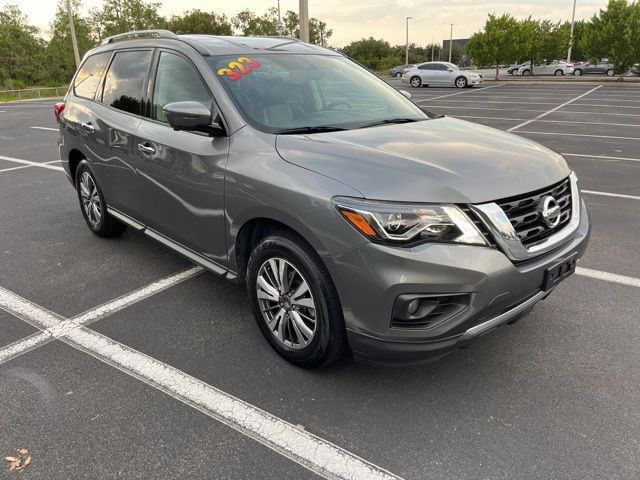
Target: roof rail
142, 34
284, 37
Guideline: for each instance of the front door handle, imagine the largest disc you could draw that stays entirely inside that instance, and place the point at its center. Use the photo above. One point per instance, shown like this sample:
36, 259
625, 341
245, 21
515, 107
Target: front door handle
147, 150
88, 127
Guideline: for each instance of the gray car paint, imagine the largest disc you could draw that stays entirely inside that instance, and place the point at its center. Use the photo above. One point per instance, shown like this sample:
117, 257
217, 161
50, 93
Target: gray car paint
250, 175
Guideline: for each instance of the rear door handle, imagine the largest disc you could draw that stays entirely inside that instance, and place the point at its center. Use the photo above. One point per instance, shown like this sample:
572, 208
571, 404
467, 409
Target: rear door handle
147, 150
88, 127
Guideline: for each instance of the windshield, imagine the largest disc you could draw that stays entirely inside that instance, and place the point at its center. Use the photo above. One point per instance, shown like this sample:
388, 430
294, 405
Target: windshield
280, 92
452, 66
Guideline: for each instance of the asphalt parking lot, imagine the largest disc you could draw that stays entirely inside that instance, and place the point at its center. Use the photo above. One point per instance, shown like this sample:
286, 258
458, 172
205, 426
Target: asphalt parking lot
119, 359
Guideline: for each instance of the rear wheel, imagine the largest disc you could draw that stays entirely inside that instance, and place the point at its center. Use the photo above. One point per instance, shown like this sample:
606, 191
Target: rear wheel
398, 75
461, 82
610, 73
415, 82
526, 73
559, 73
93, 205
577, 73
295, 302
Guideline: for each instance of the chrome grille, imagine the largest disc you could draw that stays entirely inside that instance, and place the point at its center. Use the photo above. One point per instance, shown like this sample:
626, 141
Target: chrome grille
524, 215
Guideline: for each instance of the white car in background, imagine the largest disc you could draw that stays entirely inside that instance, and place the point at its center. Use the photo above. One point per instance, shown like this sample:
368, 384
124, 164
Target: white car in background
555, 67
440, 73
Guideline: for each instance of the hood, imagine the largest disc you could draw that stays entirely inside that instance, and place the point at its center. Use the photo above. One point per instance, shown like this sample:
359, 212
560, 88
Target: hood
440, 160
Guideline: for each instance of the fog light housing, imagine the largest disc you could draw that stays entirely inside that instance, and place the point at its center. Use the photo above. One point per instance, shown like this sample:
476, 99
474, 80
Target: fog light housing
426, 310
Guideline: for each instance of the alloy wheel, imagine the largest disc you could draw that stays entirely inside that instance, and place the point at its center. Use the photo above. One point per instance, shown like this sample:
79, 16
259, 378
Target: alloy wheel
90, 199
286, 303
461, 82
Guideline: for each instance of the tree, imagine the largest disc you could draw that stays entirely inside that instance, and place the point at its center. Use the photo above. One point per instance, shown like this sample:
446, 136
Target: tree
248, 23
60, 59
369, 52
21, 57
119, 16
615, 33
497, 44
197, 21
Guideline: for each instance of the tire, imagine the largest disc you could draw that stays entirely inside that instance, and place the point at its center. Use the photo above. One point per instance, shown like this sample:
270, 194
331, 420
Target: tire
526, 73
559, 73
324, 341
93, 204
610, 73
398, 75
577, 73
415, 82
461, 82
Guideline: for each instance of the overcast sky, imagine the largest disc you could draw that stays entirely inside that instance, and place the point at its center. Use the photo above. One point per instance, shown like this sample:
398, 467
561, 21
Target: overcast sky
354, 19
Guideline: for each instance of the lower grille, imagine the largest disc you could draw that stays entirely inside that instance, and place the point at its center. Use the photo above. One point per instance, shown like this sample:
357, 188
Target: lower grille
524, 212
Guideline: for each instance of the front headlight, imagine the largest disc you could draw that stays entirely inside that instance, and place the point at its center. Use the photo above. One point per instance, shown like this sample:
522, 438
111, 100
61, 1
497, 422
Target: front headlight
408, 224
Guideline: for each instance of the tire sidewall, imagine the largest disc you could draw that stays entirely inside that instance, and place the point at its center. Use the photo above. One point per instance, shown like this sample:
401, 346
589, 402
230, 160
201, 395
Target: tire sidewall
101, 228
465, 82
419, 81
276, 246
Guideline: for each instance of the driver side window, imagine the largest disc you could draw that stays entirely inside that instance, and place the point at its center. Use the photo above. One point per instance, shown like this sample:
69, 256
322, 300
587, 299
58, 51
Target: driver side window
176, 81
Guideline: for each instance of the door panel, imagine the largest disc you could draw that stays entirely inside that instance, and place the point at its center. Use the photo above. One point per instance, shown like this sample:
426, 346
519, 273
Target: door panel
111, 127
182, 177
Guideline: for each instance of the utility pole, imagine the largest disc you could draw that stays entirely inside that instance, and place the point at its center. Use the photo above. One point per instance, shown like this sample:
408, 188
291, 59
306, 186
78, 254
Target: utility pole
406, 47
432, 48
450, 42
573, 20
279, 20
74, 40
304, 20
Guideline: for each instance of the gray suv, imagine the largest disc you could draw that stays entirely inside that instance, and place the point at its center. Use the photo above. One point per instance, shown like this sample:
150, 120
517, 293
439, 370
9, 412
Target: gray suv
357, 220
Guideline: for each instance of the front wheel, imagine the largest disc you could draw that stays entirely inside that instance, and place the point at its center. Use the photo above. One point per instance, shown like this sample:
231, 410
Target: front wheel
415, 82
610, 73
559, 73
577, 73
295, 302
398, 75
526, 73
93, 205
461, 82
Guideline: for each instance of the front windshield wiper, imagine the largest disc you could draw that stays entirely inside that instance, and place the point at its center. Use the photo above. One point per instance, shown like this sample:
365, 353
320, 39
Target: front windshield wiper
390, 121
317, 129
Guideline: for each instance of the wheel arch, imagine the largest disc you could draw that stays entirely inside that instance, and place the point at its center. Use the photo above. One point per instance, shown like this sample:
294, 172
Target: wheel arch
75, 157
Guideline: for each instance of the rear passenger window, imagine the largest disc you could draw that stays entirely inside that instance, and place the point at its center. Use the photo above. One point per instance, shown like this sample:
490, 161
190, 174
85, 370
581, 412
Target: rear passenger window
176, 81
89, 75
125, 79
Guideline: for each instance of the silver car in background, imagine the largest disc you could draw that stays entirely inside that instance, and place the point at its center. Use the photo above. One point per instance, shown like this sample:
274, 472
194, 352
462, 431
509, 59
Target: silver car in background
440, 73
554, 67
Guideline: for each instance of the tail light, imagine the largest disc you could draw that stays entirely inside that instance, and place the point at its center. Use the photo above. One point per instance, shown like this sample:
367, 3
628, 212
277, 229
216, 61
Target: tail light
404, 72
57, 110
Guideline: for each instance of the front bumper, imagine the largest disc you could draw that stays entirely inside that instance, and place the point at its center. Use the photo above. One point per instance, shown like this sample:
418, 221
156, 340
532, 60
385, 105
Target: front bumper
370, 278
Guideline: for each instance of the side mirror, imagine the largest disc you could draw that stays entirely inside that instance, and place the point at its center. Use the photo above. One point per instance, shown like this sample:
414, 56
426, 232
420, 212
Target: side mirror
449, 69
405, 93
191, 116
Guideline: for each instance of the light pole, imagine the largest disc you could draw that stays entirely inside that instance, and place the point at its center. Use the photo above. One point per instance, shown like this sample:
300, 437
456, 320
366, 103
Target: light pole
406, 46
450, 42
304, 20
573, 20
279, 20
74, 41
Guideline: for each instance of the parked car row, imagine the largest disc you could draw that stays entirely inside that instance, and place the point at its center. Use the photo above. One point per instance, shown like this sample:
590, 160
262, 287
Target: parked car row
560, 67
440, 73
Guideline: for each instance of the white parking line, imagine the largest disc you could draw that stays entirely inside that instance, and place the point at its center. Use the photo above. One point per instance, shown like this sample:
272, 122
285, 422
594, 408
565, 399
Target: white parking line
466, 91
61, 327
316, 454
602, 106
553, 109
603, 157
30, 163
46, 128
577, 135
26, 166
492, 101
489, 118
609, 277
607, 194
